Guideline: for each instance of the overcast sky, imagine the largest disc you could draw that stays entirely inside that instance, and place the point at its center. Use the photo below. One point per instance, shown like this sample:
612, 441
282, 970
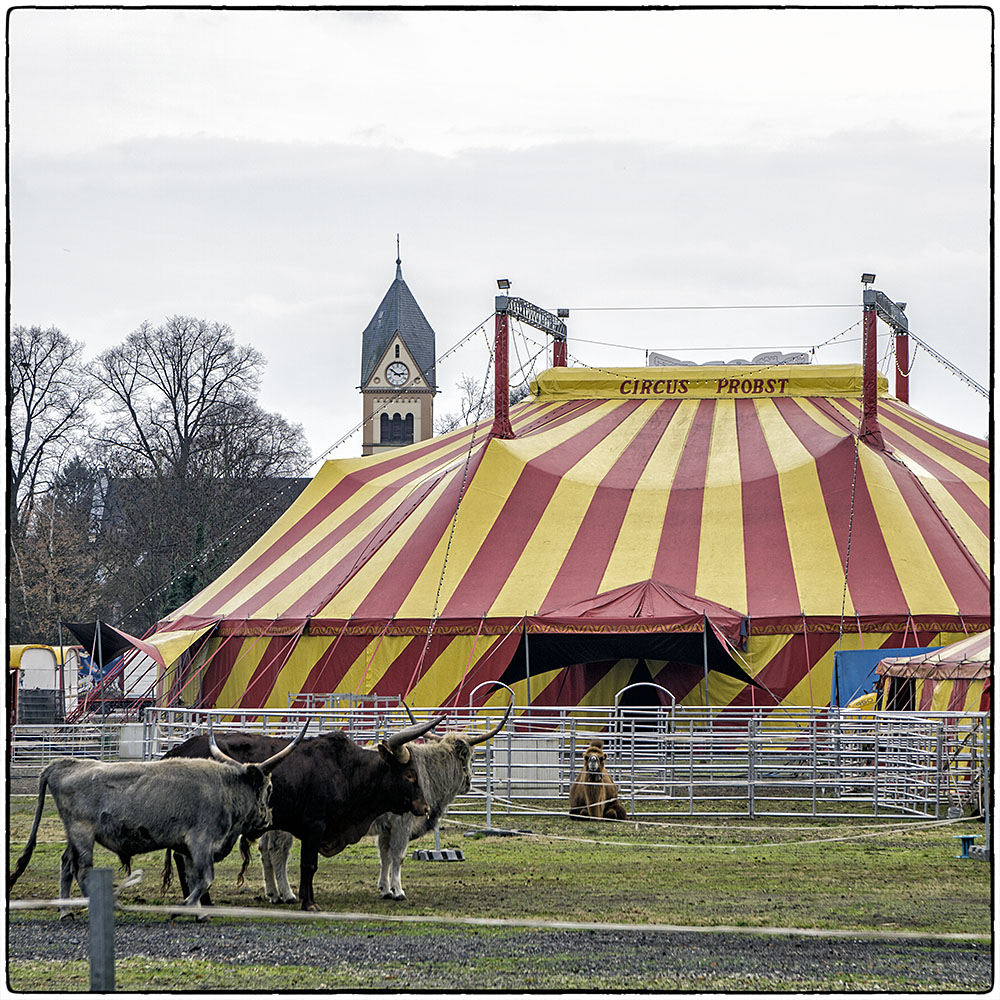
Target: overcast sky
254, 168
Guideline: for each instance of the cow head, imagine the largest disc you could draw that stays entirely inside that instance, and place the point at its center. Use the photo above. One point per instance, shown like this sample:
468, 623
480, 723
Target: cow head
396, 754
462, 743
593, 757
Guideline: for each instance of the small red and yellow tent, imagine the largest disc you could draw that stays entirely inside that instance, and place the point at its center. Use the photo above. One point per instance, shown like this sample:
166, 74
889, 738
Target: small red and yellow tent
654, 524
954, 679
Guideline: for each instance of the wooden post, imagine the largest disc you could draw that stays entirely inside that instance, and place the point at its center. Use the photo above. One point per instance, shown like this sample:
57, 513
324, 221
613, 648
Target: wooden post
101, 914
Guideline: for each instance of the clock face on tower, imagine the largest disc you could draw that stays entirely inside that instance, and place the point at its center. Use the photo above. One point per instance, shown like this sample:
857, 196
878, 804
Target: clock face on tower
397, 373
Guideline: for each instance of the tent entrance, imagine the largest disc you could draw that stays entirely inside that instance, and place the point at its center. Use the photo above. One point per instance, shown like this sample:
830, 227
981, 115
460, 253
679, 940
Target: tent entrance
538, 654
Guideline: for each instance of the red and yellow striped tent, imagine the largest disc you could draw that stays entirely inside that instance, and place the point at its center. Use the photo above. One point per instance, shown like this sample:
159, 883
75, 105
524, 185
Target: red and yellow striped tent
954, 679
642, 524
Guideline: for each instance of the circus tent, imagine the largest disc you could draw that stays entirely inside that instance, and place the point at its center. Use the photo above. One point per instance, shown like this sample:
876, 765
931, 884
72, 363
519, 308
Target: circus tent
719, 531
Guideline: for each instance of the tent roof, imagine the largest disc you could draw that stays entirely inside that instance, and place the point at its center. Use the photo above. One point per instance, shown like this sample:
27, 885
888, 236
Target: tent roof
969, 658
649, 600
747, 488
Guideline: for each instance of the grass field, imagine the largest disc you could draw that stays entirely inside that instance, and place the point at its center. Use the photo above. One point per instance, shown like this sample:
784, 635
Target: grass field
858, 875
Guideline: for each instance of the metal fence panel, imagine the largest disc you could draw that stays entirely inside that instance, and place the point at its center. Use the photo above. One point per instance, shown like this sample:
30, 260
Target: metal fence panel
665, 760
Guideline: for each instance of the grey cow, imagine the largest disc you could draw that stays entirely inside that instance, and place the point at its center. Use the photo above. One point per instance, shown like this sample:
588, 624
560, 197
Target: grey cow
199, 808
444, 768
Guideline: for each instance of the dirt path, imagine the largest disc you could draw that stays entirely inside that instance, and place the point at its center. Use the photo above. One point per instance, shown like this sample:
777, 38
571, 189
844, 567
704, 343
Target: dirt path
404, 957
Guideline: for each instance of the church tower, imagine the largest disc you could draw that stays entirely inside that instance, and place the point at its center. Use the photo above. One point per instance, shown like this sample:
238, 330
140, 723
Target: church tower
397, 371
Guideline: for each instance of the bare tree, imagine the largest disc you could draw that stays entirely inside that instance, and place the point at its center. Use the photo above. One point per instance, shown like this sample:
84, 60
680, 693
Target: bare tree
242, 441
193, 464
53, 566
475, 403
166, 387
49, 389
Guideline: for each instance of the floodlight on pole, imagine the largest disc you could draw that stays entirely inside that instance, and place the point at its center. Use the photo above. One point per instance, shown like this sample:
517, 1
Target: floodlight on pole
867, 279
503, 284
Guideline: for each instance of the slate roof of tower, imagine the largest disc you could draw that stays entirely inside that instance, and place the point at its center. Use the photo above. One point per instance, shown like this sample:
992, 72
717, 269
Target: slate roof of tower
398, 312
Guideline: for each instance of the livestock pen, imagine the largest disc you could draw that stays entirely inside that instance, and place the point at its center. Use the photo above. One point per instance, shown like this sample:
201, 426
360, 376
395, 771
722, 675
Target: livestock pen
832, 846
666, 761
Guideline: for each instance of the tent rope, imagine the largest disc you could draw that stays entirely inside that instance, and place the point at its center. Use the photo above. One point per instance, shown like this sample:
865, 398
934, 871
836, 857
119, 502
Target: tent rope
850, 530
378, 643
468, 662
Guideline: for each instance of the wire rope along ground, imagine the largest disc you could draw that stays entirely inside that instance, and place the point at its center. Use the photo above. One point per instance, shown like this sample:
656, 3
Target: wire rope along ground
515, 922
594, 841
887, 826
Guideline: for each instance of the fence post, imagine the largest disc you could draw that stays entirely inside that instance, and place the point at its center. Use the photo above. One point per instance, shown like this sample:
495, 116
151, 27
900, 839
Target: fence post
489, 784
510, 769
987, 772
938, 768
875, 767
633, 768
751, 775
101, 916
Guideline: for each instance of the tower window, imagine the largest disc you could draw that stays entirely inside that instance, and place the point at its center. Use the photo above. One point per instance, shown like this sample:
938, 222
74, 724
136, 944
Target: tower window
396, 429
397, 350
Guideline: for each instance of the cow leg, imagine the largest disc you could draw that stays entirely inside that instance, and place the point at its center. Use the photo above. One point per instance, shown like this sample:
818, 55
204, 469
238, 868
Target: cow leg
309, 862
267, 867
67, 871
385, 863
77, 859
204, 873
275, 846
398, 840
179, 861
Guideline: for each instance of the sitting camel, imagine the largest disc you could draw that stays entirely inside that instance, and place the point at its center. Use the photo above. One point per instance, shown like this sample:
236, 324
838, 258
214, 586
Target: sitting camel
594, 795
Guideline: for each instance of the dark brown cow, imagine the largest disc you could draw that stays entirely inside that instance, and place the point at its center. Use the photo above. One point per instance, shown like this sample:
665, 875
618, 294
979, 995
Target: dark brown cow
594, 795
444, 764
329, 790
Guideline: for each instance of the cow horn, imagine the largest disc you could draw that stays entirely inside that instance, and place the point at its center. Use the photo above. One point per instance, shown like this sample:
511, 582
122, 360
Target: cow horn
475, 740
433, 737
213, 748
396, 743
267, 766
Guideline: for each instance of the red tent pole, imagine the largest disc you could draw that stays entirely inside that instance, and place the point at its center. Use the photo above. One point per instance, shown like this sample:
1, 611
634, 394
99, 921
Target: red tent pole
903, 367
870, 432
501, 369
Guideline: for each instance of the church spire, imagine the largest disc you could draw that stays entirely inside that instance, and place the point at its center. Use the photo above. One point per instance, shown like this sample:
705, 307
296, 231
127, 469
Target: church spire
399, 262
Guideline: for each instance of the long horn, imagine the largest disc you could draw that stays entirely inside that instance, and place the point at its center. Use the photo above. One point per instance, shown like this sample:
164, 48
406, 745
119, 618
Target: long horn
475, 740
433, 737
213, 748
267, 766
397, 742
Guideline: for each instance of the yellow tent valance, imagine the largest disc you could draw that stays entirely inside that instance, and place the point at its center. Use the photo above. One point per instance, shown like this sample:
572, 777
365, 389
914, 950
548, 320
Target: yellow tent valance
170, 645
703, 382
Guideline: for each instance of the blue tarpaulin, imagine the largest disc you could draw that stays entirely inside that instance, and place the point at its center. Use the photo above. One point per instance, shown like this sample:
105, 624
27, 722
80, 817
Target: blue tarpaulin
854, 670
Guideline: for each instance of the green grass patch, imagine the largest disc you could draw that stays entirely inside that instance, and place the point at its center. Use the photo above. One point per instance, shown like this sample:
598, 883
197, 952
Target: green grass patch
767, 873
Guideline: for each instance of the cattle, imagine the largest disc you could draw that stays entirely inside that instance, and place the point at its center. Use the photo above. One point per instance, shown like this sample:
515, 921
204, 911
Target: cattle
329, 791
444, 764
593, 795
196, 808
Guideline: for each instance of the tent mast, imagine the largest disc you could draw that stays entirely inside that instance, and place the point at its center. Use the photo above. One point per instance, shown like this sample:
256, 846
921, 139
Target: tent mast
501, 370
870, 431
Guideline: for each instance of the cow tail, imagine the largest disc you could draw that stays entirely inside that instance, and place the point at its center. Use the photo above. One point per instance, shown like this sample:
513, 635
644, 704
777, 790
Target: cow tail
245, 855
168, 870
22, 861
